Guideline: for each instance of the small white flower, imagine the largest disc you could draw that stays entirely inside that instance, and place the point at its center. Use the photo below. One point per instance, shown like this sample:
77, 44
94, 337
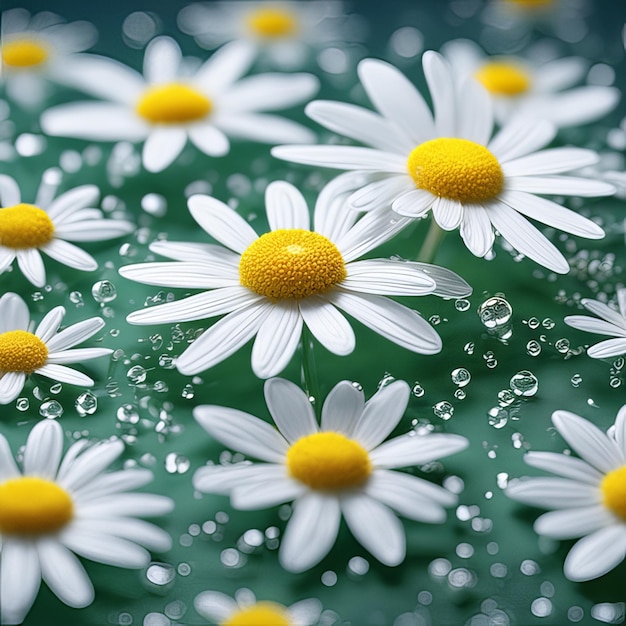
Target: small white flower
36, 48
166, 106
284, 32
58, 507
49, 225
223, 610
541, 90
613, 324
269, 286
343, 468
448, 163
46, 351
587, 497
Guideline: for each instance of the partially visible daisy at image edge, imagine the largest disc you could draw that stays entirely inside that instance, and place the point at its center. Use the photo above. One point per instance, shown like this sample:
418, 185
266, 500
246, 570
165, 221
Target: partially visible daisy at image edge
587, 495
612, 323
167, 105
44, 350
49, 225
219, 608
341, 468
538, 89
34, 48
58, 507
270, 286
448, 164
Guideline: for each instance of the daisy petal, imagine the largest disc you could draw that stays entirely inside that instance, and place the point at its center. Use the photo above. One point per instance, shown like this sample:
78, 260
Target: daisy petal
49, 325
225, 66
553, 493
521, 136
594, 325
552, 161
448, 284
447, 213
71, 255
104, 548
441, 87
162, 146
135, 530
162, 60
476, 115
205, 274
92, 462
414, 203
596, 554
560, 185
573, 523
8, 468
77, 355
44, 449
75, 334
9, 191
565, 466
92, 229
387, 278
11, 384
607, 349
7, 256
209, 139
414, 449
604, 311
286, 207
21, 577
71, 201
63, 374
222, 479
476, 230
264, 128
380, 193
31, 264
342, 408
290, 409
310, 533
560, 74
619, 432
272, 492
327, 325
215, 606
14, 313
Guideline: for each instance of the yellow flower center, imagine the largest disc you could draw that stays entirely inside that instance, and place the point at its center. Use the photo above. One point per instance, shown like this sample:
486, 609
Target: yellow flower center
21, 351
328, 460
272, 23
260, 614
33, 506
24, 53
457, 169
173, 104
531, 4
291, 263
613, 487
503, 79
25, 226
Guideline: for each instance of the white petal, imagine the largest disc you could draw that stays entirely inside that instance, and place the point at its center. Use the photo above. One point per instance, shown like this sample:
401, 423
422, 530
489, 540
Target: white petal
14, 313
215, 606
242, 432
393, 321
572, 523
92, 462
382, 413
109, 483
415, 449
387, 278
415, 203
380, 193
93, 229
439, 78
272, 492
596, 554
225, 66
209, 139
31, 264
563, 465
447, 213
63, 374
594, 325
552, 161
222, 479
521, 136
44, 448
553, 493
265, 128
71, 201
607, 349
290, 409
342, 408
103, 548
286, 207
49, 325
7, 256
135, 530
75, 334
76, 356
221, 222
162, 146
126, 505
11, 384
559, 74
604, 311
305, 612
560, 185
310, 533
192, 251
375, 527
476, 230
70, 255
204, 274
162, 60
475, 117
327, 325
8, 468
449, 284
588, 441
9, 191
21, 576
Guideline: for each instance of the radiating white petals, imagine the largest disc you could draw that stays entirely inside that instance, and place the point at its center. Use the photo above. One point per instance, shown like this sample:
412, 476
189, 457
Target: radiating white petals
14, 314
343, 408
596, 554
286, 207
162, 146
571, 523
552, 161
327, 325
290, 409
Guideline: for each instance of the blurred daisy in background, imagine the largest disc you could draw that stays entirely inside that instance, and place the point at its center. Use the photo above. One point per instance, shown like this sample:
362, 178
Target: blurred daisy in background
284, 33
587, 496
612, 323
48, 225
270, 285
541, 90
46, 351
448, 163
35, 48
58, 507
343, 468
168, 105
245, 610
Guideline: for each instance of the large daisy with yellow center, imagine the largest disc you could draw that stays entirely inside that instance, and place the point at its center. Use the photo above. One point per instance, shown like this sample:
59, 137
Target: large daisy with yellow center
25, 350
57, 507
270, 286
449, 165
343, 467
538, 89
168, 105
587, 496
49, 225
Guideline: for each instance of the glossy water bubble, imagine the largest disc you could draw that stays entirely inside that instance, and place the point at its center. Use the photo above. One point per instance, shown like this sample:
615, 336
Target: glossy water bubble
443, 410
104, 291
160, 574
51, 409
136, 375
524, 383
460, 376
86, 404
495, 312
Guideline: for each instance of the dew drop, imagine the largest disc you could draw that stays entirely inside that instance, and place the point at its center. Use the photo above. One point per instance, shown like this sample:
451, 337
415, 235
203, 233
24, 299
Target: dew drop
358, 565
498, 417
127, 414
418, 391
562, 345
104, 291
136, 375
76, 297
176, 463
541, 607
576, 379
462, 304
495, 312
154, 204
443, 410
460, 376
533, 348
469, 348
608, 612
51, 409
160, 574
506, 397
86, 404
22, 404
524, 383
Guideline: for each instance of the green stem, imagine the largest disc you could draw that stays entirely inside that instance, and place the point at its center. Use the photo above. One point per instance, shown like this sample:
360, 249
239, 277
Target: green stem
309, 369
431, 243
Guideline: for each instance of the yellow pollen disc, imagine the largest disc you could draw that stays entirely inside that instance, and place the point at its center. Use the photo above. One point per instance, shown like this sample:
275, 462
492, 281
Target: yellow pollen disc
24, 53
173, 104
25, 226
503, 79
328, 460
613, 488
291, 263
457, 169
272, 23
21, 351
260, 614
33, 506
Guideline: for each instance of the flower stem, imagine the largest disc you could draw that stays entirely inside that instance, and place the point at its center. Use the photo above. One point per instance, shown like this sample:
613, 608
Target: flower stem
431, 243
309, 368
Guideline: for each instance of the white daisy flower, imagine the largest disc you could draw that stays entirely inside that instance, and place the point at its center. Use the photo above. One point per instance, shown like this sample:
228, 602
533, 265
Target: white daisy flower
218, 608
613, 324
58, 507
284, 32
45, 351
165, 106
587, 496
35, 48
448, 162
343, 468
269, 286
49, 225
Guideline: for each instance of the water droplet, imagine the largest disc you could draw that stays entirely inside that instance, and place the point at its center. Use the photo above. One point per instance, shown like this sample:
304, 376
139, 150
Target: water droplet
498, 417
435, 319
104, 291
188, 392
443, 410
548, 323
462, 304
127, 414
56, 388
156, 619
358, 565
86, 404
160, 574
562, 345
176, 463
533, 348
615, 382
51, 409
469, 347
154, 204
231, 558
541, 607
495, 312
506, 397
576, 379
418, 390
439, 568
529, 568
22, 404
461, 577
76, 297
608, 612
460, 394
524, 383
460, 376
136, 375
